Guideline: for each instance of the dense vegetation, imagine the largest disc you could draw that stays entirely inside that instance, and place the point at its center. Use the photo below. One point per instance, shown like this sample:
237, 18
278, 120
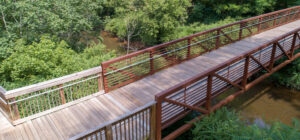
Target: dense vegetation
289, 76
228, 125
43, 39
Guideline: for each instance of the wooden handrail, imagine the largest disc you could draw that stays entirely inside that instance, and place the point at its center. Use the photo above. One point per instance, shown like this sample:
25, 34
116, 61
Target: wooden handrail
116, 120
50, 83
19, 103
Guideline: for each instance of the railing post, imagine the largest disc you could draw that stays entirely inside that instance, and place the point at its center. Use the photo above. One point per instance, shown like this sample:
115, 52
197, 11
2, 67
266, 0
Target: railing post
108, 133
272, 60
218, 38
3, 104
293, 45
259, 25
151, 62
100, 81
189, 49
158, 118
62, 94
153, 122
246, 68
14, 110
274, 22
288, 15
105, 85
208, 93
241, 31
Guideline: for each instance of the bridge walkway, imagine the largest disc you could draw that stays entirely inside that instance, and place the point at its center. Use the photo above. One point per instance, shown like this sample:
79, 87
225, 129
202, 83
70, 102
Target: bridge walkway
88, 114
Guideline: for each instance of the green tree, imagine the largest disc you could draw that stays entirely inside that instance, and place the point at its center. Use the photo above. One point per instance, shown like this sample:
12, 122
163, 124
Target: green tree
65, 19
213, 10
156, 18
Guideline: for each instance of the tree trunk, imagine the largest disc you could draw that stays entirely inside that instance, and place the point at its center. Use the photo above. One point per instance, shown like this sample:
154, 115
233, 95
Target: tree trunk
4, 21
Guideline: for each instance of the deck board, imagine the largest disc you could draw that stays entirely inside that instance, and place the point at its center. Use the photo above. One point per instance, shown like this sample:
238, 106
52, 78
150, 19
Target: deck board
87, 114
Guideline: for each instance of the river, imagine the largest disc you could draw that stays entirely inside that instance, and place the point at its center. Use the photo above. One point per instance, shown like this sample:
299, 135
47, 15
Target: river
113, 43
268, 102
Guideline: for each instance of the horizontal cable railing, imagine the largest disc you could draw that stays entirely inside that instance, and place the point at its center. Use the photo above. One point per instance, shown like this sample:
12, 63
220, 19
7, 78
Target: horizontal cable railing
129, 68
178, 101
31, 100
134, 125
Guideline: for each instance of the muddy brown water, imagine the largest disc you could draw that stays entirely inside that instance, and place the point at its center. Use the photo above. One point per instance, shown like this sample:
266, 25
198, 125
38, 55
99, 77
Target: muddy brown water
113, 43
268, 102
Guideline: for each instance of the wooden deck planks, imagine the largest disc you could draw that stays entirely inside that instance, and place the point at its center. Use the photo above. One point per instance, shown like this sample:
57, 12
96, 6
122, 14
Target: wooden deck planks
87, 114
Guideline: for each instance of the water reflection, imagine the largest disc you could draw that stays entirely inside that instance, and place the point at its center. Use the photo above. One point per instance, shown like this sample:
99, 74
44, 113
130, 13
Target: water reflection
269, 102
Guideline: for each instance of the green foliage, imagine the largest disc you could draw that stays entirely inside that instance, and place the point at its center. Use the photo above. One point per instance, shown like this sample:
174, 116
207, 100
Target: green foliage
289, 76
155, 18
227, 125
65, 19
186, 30
47, 59
213, 10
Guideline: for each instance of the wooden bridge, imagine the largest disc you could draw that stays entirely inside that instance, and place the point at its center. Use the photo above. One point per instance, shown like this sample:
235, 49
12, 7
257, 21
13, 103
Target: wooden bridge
138, 95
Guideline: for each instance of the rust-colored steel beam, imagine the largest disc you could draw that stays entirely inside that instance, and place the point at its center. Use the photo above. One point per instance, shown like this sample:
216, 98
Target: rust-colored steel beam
256, 81
258, 62
246, 68
281, 48
228, 81
293, 44
272, 57
186, 105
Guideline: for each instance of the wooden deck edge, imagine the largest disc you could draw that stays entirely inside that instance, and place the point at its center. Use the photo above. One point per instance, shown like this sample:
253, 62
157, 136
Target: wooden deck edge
20, 121
112, 121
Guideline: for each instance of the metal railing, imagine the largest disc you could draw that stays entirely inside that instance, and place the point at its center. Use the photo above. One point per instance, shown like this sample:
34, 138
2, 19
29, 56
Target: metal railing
134, 125
45, 96
129, 68
196, 94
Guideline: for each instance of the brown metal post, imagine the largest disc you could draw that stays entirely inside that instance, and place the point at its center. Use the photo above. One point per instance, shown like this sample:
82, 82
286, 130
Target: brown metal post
108, 133
259, 25
151, 62
274, 22
288, 15
241, 30
153, 122
208, 93
62, 94
158, 118
246, 68
218, 38
272, 60
105, 85
293, 45
189, 49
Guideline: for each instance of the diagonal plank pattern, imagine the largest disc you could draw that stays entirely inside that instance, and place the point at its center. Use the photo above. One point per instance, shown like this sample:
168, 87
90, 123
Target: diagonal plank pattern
68, 122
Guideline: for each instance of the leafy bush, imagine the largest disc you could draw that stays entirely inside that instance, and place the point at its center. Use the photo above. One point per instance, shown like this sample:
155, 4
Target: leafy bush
289, 76
186, 30
47, 59
227, 125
